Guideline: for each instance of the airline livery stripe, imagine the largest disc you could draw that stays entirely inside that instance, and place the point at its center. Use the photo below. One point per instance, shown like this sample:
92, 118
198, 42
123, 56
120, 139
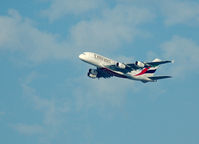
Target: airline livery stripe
143, 71
151, 71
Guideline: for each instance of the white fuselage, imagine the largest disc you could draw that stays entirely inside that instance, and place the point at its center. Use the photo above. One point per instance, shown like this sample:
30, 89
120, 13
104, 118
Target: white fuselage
103, 62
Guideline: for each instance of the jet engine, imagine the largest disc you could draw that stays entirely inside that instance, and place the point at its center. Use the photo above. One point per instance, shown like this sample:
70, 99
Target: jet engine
139, 64
92, 73
120, 65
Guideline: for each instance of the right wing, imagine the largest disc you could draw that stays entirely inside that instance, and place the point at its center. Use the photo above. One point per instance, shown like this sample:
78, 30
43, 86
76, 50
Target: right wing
133, 66
156, 63
115, 68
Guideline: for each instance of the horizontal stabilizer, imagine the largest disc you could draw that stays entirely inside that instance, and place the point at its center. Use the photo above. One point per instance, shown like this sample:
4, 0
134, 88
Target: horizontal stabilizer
159, 77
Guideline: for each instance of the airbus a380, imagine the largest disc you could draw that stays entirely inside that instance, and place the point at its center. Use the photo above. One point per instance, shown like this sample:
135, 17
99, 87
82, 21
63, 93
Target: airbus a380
106, 68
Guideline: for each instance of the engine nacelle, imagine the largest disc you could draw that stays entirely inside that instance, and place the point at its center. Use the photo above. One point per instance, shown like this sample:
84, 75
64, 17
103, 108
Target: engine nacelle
120, 65
92, 73
139, 64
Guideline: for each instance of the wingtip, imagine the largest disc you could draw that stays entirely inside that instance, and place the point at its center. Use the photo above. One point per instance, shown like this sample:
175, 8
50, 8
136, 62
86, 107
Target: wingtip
172, 61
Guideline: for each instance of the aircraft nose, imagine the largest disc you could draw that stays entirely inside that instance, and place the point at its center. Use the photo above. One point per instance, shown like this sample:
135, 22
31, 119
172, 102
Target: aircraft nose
81, 56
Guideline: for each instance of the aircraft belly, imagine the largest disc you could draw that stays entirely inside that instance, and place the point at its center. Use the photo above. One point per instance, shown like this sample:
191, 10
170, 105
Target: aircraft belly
139, 78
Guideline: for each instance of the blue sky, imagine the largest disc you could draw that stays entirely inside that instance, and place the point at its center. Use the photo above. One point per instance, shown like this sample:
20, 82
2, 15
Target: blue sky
46, 96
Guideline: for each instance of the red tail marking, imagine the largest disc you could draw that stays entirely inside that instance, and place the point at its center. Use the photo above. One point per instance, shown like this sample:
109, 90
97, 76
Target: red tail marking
143, 71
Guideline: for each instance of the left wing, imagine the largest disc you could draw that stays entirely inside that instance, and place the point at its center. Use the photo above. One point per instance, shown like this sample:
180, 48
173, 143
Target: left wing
116, 68
107, 73
102, 72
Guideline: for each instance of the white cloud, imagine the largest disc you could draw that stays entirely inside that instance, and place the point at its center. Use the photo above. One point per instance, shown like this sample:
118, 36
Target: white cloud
1, 114
29, 129
104, 33
102, 94
125, 59
20, 35
60, 8
185, 53
181, 12
8, 31
172, 11
51, 108
114, 27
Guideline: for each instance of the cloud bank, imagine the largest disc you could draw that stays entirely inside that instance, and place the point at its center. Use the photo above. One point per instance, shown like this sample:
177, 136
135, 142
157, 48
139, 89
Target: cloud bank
61, 8
107, 32
185, 53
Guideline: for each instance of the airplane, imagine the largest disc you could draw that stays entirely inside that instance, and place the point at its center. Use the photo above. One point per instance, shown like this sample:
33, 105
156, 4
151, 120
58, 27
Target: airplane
106, 68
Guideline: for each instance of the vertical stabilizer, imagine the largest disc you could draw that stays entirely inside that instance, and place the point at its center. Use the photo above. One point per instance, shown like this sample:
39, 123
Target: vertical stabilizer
150, 72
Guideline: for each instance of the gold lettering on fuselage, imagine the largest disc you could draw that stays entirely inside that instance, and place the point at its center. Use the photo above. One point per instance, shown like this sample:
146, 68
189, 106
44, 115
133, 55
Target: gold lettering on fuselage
102, 58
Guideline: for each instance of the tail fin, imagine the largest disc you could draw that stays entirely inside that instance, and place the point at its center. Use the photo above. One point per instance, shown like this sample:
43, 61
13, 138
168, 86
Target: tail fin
150, 72
156, 60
